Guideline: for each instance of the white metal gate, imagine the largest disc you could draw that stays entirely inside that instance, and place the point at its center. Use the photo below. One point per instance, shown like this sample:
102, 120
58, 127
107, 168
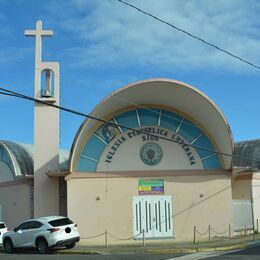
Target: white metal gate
153, 214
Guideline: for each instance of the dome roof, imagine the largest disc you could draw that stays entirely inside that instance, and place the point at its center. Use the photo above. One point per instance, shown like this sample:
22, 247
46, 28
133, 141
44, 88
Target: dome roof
247, 149
19, 159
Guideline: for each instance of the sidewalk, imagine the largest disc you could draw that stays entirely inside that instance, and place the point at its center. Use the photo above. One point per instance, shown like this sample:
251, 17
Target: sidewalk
167, 246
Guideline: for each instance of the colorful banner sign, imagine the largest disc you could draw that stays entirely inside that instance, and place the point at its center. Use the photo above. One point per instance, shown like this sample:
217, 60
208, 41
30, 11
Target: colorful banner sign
151, 187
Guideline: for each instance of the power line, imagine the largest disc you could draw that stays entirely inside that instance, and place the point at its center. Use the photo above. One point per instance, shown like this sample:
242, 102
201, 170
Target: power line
7, 92
152, 110
191, 35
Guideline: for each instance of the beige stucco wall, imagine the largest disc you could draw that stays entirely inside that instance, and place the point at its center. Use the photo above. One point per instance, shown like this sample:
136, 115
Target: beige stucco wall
241, 189
16, 201
46, 158
99, 204
247, 187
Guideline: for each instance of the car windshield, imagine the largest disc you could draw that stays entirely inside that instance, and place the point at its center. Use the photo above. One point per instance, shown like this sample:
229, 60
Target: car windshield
60, 222
2, 225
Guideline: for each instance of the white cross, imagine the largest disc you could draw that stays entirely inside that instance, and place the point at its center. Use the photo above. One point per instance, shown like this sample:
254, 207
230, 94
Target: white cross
38, 33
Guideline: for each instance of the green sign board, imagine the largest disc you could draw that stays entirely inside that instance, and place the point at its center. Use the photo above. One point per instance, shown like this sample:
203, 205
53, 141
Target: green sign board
151, 187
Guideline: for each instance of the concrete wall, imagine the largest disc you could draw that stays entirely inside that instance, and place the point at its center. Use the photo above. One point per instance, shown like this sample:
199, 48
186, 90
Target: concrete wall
256, 200
246, 187
241, 188
99, 204
16, 201
46, 158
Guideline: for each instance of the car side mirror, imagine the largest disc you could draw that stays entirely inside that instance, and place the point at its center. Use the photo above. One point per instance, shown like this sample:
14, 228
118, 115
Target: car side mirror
15, 229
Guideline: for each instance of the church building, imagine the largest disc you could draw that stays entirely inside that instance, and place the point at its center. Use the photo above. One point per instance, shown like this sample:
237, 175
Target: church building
158, 163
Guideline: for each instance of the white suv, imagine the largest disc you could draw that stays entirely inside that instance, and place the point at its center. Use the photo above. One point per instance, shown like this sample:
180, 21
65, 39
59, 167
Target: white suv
42, 233
3, 229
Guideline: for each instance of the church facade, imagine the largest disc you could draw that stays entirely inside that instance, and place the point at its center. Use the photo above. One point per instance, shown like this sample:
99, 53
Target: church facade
154, 160
154, 168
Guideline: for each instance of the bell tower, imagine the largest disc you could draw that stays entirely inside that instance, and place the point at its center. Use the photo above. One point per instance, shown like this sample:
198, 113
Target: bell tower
46, 129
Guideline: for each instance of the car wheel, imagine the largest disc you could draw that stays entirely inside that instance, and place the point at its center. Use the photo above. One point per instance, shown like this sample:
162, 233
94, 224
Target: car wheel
8, 245
71, 245
42, 246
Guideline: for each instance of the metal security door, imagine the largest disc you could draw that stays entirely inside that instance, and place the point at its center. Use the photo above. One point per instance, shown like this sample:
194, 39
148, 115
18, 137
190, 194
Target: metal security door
153, 214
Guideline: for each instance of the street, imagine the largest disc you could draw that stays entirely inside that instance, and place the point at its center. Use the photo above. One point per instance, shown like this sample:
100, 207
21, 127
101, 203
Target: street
29, 255
241, 254
253, 253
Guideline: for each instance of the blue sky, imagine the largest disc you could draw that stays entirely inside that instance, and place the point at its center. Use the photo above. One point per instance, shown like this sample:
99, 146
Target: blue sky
102, 45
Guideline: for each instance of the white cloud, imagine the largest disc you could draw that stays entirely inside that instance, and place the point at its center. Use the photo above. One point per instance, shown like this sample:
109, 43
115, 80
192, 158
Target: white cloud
112, 33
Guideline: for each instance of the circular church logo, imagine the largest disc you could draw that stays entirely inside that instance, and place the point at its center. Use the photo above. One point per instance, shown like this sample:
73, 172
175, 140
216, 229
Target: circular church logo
151, 153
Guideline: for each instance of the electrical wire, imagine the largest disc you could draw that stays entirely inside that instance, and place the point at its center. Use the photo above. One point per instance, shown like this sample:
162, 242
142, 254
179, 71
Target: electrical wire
7, 92
154, 111
191, 35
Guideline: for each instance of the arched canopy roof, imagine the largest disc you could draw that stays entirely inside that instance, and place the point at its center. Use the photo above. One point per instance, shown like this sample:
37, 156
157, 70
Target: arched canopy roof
17, 158
169, 95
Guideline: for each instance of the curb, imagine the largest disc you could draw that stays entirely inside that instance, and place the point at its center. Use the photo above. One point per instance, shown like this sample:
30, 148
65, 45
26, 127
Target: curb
77, 252
232, 247
72, 252
205, 249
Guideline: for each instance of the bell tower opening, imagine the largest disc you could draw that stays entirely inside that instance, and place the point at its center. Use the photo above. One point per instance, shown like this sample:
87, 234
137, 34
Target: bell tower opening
47, 83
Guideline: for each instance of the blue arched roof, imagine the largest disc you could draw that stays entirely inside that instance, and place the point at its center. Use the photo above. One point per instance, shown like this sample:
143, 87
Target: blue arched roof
135, 118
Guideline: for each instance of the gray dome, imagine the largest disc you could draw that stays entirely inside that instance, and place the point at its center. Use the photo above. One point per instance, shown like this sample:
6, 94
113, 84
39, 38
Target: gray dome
21, 157
248, 149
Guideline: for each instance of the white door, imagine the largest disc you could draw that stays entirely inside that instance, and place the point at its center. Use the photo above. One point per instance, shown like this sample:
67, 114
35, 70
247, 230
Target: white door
154, 215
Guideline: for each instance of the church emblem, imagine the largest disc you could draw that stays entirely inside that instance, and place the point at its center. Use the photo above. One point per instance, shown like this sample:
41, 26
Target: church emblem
151, 153
109, 132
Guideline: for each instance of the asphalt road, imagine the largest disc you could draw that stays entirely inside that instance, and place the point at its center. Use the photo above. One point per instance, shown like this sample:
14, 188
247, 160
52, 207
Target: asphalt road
29, 255
252, 253
242, 254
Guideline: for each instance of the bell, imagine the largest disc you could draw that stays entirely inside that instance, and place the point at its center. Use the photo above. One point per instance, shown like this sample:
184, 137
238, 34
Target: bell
46, 93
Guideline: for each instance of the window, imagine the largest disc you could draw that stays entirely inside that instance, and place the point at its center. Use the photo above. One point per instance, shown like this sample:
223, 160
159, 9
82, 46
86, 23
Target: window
149, 117
60, 222
189, 131
142, 117
34, 225
170, 120
86, 164
5, 158
94, 148
23, 226
128, 119
2, 225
